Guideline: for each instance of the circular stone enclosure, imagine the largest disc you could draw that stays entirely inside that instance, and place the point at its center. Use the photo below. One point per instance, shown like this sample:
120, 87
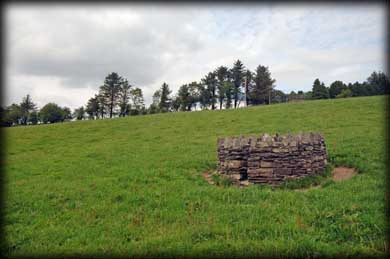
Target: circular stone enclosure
267, 159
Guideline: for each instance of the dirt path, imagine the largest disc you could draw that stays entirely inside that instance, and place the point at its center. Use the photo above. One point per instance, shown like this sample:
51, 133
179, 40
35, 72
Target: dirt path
343, 173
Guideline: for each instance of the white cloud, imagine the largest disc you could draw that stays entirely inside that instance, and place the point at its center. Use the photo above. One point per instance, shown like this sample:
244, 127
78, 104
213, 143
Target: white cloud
62, 53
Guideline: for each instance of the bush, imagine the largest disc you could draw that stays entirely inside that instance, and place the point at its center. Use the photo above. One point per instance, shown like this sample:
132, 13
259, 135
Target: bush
345, 93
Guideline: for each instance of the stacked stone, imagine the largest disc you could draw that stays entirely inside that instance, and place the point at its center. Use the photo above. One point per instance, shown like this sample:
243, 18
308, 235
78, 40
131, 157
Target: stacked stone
272, 159
233, 155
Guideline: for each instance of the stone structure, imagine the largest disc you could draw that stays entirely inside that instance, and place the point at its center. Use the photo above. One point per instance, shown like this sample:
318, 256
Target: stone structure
271, 160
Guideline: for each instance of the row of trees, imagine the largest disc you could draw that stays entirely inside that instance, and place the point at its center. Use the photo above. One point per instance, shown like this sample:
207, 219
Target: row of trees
376, 84
27, 113
223, 88
116, 97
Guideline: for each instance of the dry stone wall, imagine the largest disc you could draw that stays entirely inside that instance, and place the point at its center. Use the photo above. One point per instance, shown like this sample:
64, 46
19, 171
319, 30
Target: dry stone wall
271, 160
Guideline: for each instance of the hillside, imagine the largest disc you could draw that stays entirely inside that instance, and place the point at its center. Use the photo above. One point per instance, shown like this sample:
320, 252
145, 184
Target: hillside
134, 185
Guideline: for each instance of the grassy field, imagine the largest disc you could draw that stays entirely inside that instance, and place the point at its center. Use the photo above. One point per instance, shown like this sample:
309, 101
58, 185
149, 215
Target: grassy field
134, 186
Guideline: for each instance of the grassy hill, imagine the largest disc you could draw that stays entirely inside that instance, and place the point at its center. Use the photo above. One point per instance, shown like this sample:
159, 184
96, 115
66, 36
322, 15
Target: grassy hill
134, 186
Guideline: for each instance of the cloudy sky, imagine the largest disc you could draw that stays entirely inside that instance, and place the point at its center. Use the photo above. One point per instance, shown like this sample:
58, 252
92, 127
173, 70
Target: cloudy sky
62, 53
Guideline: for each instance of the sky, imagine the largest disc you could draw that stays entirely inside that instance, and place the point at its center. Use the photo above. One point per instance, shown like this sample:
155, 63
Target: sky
61, 53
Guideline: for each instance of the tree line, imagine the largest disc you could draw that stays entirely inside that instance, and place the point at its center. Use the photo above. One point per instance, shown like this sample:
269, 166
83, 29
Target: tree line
222, 88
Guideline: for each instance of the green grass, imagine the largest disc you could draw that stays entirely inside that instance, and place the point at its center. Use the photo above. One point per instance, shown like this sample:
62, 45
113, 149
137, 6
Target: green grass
134, 186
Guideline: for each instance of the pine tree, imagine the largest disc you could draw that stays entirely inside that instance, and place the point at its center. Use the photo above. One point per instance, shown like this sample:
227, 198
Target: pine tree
379, 82
238, 75
165, 99
336, 88
124, 97
92, 108
110, 91
247, 84
319, 91
260, 91
210, 82
184, 98
101, 105
204, 96
26, 106
229, 89
222, 74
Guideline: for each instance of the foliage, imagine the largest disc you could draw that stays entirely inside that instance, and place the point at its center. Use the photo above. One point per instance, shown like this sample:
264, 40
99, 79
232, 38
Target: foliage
12, 115
210, 85
345, 93
336, 88
79, 113
260, 92
165, 100
184, 98
33, 118
124, 97
26, 107
51, 113
278, 96
92, 107
66, 114
319, 90
248, 85
137, 100
222, 74
380, 83
237, 77
110, 91
220, 180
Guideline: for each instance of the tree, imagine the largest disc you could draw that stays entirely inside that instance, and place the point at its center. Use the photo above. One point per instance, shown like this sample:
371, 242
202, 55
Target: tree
357, 89
12, 115
66, 114
92, 108
124, 96
229, 89
380, 83
345, 93
248, 82
26, 107
33, 118
308, 95
165, 100
184, 98
319, 90
154, 106
110, 91
194, 95
260, 92
278, 96
175, 104
79, 113
336, 88
101, 105
222, 75
137, 99
210, 82
238, 75
3, 121
51, 113
204, 96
